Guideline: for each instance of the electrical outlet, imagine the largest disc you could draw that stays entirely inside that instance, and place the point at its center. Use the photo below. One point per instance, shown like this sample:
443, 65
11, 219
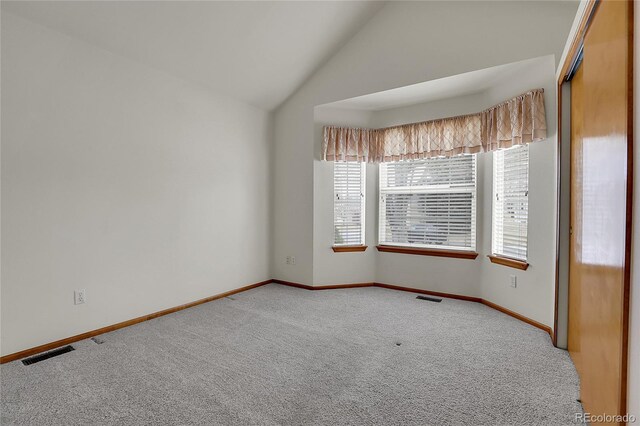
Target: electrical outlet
513, 281
293, 260
79, 297
288, 260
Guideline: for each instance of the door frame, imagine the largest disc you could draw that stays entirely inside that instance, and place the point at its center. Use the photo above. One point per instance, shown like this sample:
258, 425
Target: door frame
568, 66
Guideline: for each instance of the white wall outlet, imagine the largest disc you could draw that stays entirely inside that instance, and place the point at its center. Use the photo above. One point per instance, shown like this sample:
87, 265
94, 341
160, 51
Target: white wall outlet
288, 260
293, 260
513, 281
79, 297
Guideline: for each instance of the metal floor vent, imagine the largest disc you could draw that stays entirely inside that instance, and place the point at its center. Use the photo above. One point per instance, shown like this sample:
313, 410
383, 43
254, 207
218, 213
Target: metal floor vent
430, 299
47, 355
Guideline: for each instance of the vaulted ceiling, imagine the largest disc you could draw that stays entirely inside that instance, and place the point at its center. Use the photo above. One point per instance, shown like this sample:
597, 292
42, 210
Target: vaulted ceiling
257, 52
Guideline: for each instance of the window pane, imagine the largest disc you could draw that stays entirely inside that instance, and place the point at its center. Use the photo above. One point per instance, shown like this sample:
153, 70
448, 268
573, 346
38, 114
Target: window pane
348, 203
511, 202
454, 171
429, 203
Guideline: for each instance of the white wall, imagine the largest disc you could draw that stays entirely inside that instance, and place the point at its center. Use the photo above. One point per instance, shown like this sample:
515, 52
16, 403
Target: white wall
401, 45
330, 267
143, 189
439, 274
457, 276
534, 296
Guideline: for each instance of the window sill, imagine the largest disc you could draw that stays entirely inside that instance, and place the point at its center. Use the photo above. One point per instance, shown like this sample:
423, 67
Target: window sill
347, 249
457, 254
511, 263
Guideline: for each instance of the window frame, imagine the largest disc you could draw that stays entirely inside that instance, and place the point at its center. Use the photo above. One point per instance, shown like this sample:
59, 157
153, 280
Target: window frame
430, 249
498, 256
350, 247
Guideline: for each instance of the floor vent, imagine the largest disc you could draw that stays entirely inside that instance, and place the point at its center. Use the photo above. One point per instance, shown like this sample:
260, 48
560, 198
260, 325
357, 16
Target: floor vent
47, 355
430, 299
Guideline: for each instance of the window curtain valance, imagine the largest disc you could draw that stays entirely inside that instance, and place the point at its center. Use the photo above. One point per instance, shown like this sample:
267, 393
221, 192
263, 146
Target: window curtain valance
517, 121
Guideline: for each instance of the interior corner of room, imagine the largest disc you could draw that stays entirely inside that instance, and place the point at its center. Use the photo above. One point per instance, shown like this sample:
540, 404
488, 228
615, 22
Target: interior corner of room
215, 198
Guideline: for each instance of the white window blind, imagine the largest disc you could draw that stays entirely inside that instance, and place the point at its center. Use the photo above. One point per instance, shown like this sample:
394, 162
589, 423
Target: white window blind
348, 203
511, 202
429, 203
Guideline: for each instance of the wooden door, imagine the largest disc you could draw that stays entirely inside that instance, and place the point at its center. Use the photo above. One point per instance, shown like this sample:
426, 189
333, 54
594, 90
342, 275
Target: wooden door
601, 209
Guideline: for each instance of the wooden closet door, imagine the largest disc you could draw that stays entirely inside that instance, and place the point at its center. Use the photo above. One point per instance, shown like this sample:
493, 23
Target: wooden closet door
600, 210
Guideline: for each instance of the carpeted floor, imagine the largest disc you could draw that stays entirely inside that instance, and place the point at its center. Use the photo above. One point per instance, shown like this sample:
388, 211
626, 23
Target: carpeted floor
278, 355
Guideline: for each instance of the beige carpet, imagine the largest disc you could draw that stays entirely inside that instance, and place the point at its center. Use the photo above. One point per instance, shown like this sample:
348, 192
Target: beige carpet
278, 355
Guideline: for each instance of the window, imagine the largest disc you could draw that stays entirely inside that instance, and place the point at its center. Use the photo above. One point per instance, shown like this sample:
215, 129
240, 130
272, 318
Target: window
510, 202
348, 203
429, 203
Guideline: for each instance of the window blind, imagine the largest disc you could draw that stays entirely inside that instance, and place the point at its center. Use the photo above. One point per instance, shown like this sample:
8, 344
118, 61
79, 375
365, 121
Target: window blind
511, 202
348, 203
429, 203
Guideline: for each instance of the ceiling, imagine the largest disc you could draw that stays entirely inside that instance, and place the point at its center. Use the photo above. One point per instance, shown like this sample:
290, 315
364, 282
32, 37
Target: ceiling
433, 90
257, 52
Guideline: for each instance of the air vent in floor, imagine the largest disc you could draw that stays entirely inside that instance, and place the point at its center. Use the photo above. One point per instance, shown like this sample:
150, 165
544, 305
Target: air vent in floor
430, 299
47, 355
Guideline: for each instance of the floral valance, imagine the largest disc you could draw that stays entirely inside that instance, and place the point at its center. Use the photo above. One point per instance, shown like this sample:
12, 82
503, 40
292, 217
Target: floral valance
514, 122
